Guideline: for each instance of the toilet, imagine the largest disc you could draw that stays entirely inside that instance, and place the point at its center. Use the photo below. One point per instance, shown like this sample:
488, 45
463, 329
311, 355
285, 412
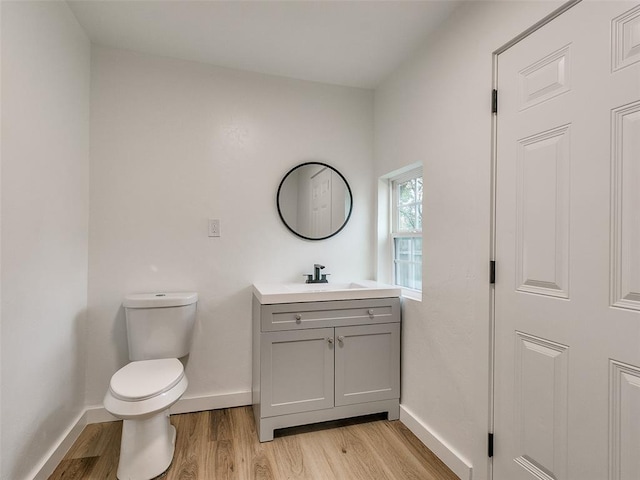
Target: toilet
159, 332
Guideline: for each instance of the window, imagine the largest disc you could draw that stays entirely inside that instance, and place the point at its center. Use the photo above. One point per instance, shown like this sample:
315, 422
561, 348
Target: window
406, 229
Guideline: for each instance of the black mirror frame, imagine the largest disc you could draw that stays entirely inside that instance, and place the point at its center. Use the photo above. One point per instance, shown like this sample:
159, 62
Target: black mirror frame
346, 220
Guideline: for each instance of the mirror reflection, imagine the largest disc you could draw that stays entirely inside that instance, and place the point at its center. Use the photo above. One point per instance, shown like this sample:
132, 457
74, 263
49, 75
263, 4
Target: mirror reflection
314, 201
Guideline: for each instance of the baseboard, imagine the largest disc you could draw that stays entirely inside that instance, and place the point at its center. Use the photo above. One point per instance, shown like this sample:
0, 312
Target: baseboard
211, 402
456, 462
98, 414
57, 453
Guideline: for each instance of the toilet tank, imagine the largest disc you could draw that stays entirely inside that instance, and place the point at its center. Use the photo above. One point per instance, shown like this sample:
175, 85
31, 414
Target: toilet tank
160, 325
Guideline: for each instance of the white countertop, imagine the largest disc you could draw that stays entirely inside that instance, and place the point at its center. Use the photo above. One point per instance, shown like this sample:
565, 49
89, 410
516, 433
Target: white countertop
271, 293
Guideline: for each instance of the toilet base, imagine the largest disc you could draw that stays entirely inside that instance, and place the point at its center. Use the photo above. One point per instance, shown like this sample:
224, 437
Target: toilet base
147, 447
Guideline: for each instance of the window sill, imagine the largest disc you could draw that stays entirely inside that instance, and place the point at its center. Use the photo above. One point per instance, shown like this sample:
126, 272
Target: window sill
415, 295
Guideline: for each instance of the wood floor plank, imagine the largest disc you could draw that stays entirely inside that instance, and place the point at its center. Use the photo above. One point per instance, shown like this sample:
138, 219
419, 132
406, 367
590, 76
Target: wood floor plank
359, 455
398, 461
107, 465
262, 468
95, 439
316, 460
290, 459
223, 445
221, 425
254, 460
245, 437
223, 464
339, 450
73, 468
436, 467
192, 443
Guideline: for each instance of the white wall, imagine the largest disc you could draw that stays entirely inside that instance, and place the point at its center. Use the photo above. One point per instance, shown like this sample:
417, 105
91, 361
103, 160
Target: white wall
436, 109
44, 199
174, 143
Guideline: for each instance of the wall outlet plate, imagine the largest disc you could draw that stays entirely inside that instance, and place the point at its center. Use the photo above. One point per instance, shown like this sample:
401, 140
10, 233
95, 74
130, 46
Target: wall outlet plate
214, 227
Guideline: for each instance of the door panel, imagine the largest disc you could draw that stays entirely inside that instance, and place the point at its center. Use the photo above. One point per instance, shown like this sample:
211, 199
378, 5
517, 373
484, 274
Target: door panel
541, 378
545, 78
299, 372
625, 426
367, 363
321, 203
625, 135
567, 297
626, 39
542, 198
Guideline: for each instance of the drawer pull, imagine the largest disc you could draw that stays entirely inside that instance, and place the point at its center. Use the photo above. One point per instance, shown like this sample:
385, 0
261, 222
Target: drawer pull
371, 313
298, 318
330, 341
341, 339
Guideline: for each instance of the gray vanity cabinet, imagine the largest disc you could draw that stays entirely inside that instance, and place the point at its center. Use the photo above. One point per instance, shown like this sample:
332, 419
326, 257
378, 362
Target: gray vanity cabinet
319, 361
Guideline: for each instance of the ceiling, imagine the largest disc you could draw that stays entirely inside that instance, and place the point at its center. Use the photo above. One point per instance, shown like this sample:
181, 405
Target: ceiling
355, 43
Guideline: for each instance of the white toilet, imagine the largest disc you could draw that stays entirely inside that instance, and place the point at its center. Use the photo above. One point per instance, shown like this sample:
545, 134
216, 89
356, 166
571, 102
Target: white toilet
159, 329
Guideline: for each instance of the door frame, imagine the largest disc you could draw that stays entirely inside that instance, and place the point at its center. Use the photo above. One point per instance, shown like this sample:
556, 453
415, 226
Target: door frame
493, 197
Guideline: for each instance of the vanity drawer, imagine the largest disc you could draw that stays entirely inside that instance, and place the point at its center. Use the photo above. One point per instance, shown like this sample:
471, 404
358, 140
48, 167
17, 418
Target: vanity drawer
294, 316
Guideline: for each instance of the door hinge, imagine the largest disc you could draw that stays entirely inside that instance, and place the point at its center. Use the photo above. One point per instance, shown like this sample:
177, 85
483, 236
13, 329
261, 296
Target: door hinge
492, 271
494, 101
490, 452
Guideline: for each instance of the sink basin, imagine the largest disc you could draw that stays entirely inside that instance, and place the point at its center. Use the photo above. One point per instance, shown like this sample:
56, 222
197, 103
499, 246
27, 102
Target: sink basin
270, 293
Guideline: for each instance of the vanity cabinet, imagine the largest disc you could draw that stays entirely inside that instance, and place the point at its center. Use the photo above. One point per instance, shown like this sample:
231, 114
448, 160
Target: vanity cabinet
319, 361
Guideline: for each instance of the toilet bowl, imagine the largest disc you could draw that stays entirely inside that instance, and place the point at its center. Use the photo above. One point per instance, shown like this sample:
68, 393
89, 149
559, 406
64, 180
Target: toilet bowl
159, 328
141, 394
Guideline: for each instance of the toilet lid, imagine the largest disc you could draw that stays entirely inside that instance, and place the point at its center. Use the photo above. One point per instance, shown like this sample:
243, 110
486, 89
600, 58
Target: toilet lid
146, 378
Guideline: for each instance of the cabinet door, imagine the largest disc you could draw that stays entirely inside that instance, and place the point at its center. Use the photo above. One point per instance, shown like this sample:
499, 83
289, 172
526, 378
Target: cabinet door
297, 371
367, 363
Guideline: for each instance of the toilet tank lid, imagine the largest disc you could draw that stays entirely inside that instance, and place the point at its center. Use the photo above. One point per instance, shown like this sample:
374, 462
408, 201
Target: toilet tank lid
159, 299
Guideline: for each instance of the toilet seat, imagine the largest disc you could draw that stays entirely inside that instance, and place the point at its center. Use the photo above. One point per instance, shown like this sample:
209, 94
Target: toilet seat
145, 387
146, 379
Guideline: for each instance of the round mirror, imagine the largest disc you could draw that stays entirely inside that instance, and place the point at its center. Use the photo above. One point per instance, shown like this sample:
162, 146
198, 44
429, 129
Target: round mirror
314, 201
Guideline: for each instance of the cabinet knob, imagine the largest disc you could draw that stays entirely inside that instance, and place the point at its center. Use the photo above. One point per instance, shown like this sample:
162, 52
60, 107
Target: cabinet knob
341, 339
370, 312
330, 341
298, 317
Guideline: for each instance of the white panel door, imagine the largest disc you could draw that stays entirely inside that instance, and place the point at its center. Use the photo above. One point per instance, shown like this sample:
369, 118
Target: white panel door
321, 204
567, 294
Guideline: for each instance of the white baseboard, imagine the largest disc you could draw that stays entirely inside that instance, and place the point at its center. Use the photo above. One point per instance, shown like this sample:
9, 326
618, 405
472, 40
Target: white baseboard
211, 402
456, 462
57, 453
98, 414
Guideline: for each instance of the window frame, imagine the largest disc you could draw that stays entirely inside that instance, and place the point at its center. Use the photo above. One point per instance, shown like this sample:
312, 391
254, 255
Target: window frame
395, 233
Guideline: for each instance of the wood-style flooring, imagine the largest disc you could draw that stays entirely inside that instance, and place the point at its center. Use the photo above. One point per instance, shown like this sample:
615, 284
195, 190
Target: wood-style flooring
223, 444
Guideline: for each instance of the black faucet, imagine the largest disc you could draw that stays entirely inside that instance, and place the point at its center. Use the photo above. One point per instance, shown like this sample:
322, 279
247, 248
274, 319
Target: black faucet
317, 277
